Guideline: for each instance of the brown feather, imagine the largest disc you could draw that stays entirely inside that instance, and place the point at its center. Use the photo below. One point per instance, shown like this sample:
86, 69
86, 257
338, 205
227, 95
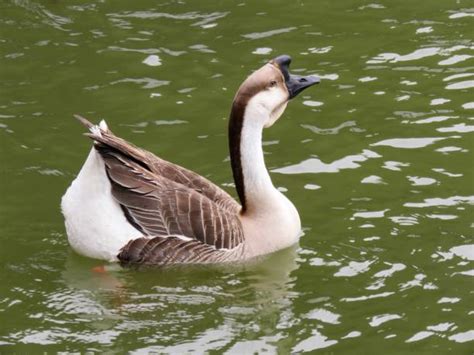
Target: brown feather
168, 250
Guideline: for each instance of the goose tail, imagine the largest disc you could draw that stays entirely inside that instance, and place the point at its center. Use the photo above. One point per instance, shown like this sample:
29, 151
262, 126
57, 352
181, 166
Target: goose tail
95, 129
105, 140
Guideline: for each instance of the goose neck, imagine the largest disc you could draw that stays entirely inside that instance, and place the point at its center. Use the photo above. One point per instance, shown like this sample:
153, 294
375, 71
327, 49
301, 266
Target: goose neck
252, 180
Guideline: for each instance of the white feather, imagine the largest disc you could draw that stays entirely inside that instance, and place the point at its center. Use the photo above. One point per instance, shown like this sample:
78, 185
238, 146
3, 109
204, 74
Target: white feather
96, 130
271, 221
103, 126
95, 224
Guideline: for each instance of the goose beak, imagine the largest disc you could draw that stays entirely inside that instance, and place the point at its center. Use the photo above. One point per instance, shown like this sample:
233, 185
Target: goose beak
294, 83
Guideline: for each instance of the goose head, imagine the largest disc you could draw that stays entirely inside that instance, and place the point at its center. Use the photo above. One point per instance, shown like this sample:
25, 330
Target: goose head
266, 91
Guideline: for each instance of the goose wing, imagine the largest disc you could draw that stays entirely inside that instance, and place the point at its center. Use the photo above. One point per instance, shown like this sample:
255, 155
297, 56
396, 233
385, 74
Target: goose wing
158, 206
163, 168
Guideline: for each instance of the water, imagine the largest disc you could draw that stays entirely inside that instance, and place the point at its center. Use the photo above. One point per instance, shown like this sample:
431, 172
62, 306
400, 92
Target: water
377, 158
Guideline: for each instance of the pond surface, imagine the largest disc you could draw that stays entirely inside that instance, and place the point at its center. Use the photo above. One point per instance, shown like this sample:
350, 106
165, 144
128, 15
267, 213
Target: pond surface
378, 160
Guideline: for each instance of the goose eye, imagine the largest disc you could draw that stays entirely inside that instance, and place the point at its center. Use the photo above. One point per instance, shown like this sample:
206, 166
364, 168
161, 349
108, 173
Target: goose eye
273, 83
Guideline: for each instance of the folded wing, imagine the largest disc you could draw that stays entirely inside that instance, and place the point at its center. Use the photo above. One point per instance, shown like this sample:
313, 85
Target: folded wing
158, 206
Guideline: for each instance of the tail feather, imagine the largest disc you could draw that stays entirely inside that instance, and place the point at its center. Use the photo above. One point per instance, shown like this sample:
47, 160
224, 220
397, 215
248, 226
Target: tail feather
104, 138
84, 121
103, 126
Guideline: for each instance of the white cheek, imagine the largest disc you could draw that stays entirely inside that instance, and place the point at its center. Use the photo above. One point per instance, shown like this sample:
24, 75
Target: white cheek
275, 115
270, 104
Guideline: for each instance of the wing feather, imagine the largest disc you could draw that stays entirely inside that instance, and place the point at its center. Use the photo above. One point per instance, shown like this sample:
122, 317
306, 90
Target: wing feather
173, 250
158, 206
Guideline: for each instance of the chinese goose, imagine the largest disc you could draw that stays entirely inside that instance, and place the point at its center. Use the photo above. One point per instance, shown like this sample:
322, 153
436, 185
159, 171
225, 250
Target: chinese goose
130, 206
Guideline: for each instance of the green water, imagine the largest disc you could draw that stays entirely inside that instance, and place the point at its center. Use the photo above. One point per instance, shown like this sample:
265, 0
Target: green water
377, 158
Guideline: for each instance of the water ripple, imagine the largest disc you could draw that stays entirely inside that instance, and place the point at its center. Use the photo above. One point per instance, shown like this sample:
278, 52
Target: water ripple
408, 143
204, 19
314, 342
260, 35
315, 166
436, 202
148, 83
383, 318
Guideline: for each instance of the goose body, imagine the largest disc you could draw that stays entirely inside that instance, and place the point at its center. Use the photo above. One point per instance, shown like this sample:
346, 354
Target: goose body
128, 205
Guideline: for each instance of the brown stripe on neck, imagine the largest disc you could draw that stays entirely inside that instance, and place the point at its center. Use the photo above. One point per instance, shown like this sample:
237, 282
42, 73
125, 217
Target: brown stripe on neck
236, 123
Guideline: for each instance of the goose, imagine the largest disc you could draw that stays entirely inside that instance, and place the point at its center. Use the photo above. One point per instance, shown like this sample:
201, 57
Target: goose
129, 206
